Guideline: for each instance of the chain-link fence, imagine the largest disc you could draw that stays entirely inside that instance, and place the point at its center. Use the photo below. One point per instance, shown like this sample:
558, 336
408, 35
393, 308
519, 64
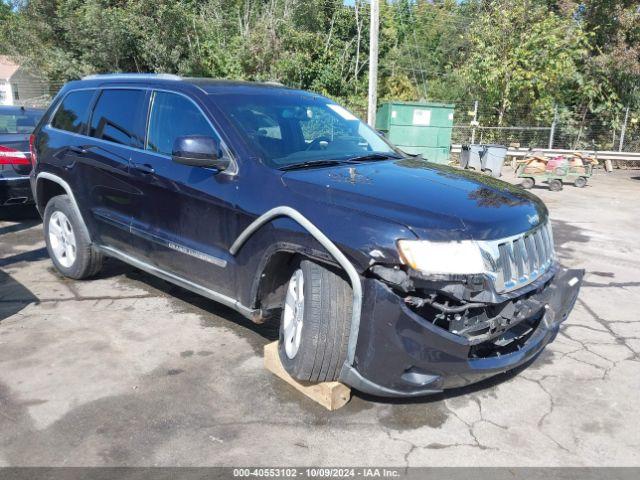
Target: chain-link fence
568, 130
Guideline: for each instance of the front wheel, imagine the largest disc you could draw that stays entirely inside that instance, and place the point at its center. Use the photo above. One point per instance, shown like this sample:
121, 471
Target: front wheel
316, 319
67, 243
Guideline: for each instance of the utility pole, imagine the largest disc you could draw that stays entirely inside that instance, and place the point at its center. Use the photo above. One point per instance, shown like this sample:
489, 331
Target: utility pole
624, 129
552, 132
474, 122
373, 63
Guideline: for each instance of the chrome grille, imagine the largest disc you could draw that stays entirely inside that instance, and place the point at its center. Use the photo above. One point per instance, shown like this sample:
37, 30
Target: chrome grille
517, 261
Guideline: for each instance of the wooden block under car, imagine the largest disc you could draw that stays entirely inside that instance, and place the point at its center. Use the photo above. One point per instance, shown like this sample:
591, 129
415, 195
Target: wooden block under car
331, 395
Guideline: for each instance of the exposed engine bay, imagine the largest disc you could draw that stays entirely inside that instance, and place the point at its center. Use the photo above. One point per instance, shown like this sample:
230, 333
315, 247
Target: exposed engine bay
493, 329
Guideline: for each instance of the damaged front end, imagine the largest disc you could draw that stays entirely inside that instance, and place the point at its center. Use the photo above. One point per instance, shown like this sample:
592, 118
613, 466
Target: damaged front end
491, 328
429, 333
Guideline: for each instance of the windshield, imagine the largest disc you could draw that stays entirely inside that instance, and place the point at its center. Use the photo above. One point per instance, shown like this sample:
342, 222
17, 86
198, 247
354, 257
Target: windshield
290, 128
19, 121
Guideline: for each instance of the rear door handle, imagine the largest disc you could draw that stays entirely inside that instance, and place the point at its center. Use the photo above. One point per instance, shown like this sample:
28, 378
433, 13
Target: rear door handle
77, 149
144, 168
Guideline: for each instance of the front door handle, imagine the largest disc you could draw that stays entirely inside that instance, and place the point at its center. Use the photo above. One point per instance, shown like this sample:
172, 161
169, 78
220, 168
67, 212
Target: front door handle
144, 168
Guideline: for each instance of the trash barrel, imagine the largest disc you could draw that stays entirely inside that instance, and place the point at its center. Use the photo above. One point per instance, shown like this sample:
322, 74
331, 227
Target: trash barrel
471, 157
493, 159
464, 156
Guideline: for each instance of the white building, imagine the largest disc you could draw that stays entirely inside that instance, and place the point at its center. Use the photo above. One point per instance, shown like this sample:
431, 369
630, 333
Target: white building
18, 85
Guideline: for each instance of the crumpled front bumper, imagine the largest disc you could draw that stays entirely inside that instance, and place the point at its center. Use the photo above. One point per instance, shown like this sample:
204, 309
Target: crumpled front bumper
401, 354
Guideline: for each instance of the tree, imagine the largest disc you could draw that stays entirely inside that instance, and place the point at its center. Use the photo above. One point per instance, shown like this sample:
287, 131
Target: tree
519, 58
530, 67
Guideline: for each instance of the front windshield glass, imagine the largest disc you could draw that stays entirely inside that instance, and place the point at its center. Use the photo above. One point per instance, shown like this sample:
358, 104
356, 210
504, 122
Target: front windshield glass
288, 128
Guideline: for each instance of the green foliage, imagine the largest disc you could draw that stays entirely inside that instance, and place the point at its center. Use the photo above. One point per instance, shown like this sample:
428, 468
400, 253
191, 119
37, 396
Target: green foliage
530, 66
518, 58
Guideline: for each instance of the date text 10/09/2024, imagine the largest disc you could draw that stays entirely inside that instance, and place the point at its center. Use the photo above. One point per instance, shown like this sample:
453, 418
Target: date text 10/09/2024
316, 472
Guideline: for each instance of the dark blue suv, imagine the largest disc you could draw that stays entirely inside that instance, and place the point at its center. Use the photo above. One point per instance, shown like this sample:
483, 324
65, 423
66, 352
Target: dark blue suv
391, 274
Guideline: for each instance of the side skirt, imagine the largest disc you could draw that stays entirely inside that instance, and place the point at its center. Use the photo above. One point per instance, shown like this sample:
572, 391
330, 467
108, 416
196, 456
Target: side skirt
252, 314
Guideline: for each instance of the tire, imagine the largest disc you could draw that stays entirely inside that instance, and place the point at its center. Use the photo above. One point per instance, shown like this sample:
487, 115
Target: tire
317, 348
580, 182
67, 242
560, 171
555, 185
528, 183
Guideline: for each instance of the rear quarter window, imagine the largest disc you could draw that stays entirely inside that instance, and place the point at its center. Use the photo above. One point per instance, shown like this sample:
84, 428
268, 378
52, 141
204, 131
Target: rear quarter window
72, 114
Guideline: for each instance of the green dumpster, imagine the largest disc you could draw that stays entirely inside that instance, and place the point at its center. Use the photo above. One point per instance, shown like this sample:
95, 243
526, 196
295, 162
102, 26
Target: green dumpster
418, 127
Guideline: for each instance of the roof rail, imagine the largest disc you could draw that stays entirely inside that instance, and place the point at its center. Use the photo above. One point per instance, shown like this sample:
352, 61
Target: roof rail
132, 76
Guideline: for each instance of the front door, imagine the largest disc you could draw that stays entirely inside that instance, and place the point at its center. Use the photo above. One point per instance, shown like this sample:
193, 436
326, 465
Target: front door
184, 217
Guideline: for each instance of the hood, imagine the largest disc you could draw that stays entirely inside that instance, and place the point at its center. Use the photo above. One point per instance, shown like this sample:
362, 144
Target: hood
437, 202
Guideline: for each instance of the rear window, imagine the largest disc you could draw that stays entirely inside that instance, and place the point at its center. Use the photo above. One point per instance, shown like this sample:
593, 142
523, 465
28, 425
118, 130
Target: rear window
19, 121
117, 117
73, 112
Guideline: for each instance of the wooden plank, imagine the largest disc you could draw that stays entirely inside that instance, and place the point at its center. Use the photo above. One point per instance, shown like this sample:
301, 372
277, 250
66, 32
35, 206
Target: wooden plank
331, 395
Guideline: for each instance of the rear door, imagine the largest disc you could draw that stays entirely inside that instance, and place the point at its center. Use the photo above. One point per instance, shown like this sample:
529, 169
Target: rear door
184, 216
63, 140
116, 128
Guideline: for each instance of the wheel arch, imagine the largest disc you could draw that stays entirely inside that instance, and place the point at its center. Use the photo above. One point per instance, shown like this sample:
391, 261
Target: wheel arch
48, 186
334, 252
278, 263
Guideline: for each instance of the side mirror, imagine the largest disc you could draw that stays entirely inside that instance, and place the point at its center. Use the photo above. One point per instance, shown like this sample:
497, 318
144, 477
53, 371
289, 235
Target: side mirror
199, 151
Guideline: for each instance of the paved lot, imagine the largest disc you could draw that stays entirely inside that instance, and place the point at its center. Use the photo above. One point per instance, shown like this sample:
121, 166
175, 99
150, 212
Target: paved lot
128, 370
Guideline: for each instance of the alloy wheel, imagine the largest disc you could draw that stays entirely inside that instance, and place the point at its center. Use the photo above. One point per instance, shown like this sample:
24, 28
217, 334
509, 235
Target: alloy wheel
62, 239
293, 316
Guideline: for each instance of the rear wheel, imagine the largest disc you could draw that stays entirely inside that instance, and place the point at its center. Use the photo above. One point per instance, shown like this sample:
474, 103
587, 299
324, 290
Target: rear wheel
580, 182
528, 183
316, 318
67, 243
555, 185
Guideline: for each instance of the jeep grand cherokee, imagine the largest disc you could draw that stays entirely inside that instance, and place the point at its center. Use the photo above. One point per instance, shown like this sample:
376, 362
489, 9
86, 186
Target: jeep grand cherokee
394, 275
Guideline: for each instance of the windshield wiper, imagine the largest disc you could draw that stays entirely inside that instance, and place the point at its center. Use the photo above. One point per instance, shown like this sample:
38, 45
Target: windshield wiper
368, 157
312, 164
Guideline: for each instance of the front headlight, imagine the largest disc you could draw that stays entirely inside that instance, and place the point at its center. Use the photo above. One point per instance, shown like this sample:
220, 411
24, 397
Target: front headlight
462, 258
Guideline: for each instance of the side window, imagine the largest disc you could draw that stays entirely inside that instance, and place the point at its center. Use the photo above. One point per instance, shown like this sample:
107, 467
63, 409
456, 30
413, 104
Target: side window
173, 116
73, 112
117, 117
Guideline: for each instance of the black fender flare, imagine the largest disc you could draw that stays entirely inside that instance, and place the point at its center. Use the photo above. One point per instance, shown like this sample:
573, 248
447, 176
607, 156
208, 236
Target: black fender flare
334, 251
67, 188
